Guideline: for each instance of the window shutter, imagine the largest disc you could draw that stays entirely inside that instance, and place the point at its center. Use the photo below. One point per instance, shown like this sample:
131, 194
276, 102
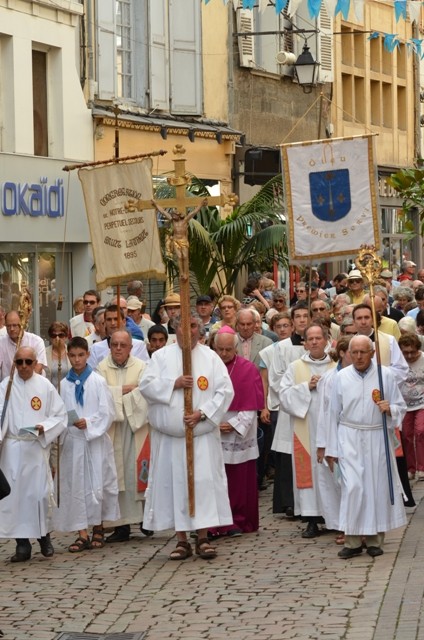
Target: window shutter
325, 46
159, 55
286, 42
267, 46
185, 51
245, 43
106, 49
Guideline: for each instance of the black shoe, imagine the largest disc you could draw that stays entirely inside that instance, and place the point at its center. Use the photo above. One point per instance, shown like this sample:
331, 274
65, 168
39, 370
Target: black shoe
121, 534
234, 533
146, 532
347, 553
46, 546
374, 551
311, 531
23, 550
289, 512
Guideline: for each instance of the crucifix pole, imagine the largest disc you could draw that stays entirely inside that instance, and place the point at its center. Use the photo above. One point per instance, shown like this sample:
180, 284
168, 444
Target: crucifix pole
180, 219
369, 264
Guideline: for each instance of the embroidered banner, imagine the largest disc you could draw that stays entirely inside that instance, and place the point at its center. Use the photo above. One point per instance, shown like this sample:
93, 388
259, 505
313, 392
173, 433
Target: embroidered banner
125, 244
331, 202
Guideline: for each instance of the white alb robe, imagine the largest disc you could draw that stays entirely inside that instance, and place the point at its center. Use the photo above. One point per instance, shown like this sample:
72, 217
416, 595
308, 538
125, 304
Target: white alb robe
26, 512
166, 495
241, 444
285, 352
328, 481
88, 479
355, 437
300, 402
128, 433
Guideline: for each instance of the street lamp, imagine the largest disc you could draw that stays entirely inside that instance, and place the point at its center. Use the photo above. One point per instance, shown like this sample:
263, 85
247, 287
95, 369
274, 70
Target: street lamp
306, 70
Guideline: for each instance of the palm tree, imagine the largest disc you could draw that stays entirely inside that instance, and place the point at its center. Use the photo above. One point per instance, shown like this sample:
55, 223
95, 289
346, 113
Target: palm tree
252, 238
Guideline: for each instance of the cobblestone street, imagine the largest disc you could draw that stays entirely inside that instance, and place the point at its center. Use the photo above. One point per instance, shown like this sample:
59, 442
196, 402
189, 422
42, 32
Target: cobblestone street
269, 586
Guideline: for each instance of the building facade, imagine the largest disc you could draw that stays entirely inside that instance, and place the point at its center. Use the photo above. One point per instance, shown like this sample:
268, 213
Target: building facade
44, 240
375, 91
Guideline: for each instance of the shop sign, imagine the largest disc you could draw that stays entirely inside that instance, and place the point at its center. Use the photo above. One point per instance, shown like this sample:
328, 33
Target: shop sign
31, 199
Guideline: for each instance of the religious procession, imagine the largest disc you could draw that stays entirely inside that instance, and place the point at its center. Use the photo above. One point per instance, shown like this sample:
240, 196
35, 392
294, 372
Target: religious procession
175, 418
321, 395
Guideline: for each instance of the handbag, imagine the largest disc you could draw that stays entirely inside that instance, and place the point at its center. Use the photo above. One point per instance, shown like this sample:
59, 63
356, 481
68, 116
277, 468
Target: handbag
4, 486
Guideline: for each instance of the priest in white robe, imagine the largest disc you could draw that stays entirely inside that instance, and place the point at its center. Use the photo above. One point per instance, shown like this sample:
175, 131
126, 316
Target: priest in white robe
129, 431
356, 440
34, 417
163, 386
299, 398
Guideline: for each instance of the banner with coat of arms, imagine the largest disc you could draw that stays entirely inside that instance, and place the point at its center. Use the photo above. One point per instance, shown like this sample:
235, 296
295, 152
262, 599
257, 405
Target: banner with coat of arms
331, 198
125, 242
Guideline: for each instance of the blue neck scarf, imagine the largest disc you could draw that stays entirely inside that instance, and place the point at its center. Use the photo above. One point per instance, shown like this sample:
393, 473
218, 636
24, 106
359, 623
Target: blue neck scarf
79, 380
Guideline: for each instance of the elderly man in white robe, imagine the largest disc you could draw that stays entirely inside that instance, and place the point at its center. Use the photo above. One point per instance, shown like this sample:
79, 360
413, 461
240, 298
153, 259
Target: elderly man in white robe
299, 398
129, 431
356, 440
163, 385
34, 417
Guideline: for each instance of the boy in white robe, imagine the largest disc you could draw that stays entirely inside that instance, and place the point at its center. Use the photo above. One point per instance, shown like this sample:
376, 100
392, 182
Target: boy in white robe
88, 483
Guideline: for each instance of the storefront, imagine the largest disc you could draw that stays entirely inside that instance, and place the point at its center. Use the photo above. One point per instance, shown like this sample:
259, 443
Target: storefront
400, 231
44, 237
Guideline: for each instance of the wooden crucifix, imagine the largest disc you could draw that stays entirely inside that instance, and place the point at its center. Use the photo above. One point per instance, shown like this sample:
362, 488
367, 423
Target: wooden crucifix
180, 219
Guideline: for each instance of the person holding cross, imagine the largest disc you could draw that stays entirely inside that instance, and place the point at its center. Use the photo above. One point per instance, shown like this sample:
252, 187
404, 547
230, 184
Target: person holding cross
162, 385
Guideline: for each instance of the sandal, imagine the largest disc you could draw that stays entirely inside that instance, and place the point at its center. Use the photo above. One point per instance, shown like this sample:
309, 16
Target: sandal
204, 549
182, 551
80, 544
97, 539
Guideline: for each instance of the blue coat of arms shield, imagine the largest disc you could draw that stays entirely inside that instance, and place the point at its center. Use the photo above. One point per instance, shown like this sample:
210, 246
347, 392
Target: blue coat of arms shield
330, 194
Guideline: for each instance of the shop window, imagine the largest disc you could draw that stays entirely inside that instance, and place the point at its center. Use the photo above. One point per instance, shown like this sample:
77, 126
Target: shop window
16, 274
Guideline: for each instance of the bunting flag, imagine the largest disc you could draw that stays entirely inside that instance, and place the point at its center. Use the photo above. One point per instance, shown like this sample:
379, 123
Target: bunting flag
402, 8
391, 41
331, 202
125, 242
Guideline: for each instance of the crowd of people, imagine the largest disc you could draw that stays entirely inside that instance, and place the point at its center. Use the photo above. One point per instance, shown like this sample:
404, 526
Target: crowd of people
283, 389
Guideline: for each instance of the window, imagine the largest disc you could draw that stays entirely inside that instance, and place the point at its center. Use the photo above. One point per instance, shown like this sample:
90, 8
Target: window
39, 96
259, 52
149, 53
124, 50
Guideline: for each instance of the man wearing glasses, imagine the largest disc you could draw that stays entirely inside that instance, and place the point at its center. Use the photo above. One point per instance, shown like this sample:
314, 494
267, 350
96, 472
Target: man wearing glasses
34, 417
9, 343
82, 325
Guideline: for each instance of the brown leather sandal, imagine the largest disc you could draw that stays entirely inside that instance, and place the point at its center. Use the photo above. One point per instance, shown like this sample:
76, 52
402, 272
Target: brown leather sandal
98, 538
204, 549
182, 551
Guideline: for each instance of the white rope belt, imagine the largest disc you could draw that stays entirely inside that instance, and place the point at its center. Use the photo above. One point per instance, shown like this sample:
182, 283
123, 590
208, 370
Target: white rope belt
353, 425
